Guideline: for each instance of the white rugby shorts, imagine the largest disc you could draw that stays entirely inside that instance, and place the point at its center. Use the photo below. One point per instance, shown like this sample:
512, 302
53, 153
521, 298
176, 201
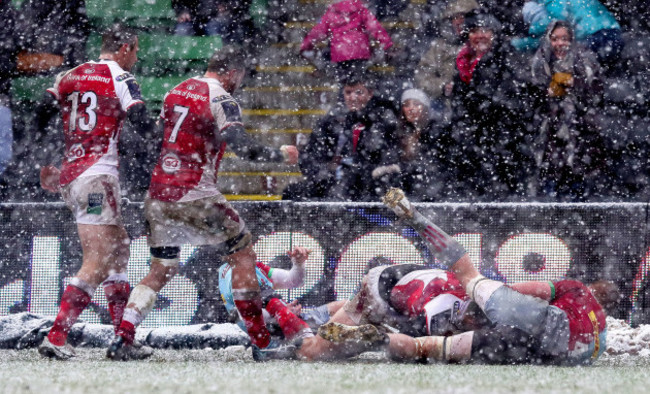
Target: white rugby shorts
206, 221
94, 199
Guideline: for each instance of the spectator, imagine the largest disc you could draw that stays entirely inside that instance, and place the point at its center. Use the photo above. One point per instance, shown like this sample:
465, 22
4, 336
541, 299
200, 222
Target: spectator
188, 21
7, 69
436, 69
229, 19
485, 114
570, 86
346, 146
420, 168
53, 34
348, 25
593, 24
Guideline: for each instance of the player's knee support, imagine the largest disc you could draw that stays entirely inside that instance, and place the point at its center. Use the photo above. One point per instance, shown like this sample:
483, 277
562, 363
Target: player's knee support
168, 256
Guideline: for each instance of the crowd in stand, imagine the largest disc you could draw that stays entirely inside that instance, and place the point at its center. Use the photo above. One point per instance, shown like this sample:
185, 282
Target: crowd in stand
488, 101
503, 118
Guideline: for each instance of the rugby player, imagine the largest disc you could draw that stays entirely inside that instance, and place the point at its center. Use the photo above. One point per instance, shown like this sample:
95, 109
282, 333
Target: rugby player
558, 322
183, 204
94, 99
289, 317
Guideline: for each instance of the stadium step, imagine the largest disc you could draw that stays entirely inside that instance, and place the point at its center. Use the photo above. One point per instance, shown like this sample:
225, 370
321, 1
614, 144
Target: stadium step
148, 14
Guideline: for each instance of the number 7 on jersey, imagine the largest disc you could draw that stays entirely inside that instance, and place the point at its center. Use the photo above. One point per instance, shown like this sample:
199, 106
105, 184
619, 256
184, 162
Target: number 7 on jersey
183, 114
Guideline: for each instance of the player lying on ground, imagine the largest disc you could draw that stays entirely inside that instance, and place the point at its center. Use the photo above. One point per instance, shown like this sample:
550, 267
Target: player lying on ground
563, 323
293, 324
517, 328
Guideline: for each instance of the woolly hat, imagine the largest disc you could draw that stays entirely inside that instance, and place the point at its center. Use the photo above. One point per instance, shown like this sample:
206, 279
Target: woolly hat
416, 94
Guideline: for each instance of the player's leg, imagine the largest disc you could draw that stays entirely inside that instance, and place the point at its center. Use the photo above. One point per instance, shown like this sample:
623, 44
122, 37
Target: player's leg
292, 326
116, 285
500, 344
455, 348
445, 248
247, 295
102, 246
164, 266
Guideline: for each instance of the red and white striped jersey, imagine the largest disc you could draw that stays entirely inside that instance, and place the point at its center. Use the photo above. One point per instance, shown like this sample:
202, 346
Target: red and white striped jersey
93, 99
194, 113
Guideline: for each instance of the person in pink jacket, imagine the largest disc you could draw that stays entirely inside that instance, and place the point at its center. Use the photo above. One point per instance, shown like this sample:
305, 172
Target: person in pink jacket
348, 25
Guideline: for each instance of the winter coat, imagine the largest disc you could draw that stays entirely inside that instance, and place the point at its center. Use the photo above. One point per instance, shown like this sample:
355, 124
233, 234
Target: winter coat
425, 171
348, 25
57, 27
330, 156
567, 120
437, 65
487, 125
585, 16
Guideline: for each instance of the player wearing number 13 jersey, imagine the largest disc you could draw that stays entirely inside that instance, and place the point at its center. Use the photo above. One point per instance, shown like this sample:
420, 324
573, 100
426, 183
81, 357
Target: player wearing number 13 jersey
184, 206
94, 99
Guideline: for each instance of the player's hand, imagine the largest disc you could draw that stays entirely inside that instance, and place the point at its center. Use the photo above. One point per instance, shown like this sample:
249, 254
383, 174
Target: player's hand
290, 153
50, 179
295, 307
299, 255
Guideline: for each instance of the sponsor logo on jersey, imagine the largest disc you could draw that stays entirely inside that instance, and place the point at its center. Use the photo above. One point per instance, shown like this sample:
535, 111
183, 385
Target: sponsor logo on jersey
171, 163
221, 98
191, 87
123, 77
89, 70
89, 78
75, 152
189, 95
95, 202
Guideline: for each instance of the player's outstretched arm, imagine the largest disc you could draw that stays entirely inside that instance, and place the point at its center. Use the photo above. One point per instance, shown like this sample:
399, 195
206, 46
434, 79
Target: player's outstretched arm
247, 148
283, 279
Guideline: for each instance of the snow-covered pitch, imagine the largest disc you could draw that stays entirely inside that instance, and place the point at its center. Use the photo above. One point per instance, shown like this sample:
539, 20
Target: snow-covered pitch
625, 368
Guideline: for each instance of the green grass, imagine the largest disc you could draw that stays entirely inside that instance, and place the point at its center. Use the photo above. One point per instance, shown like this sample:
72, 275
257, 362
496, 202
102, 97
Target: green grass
233, 371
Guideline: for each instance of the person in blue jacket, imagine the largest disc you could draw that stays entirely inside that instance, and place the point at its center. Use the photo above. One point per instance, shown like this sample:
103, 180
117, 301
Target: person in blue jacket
594, 26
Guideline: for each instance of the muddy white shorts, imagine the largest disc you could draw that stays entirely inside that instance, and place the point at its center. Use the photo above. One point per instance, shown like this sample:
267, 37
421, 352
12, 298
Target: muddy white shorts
206, 221
94, 199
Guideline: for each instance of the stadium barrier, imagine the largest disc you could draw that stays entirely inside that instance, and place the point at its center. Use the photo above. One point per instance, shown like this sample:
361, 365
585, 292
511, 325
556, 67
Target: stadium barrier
511, 242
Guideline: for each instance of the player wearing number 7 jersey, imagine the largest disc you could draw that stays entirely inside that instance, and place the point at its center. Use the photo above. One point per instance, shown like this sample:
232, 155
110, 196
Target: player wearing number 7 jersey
94, 99
184, 205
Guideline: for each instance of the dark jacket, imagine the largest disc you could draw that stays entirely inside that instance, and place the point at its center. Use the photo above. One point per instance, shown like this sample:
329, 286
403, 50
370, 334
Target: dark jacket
57, 27
486, 128
330, 156
425, 168
572, 154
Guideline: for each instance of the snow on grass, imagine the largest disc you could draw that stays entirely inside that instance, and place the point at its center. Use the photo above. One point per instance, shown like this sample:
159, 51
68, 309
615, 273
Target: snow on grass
622, 369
